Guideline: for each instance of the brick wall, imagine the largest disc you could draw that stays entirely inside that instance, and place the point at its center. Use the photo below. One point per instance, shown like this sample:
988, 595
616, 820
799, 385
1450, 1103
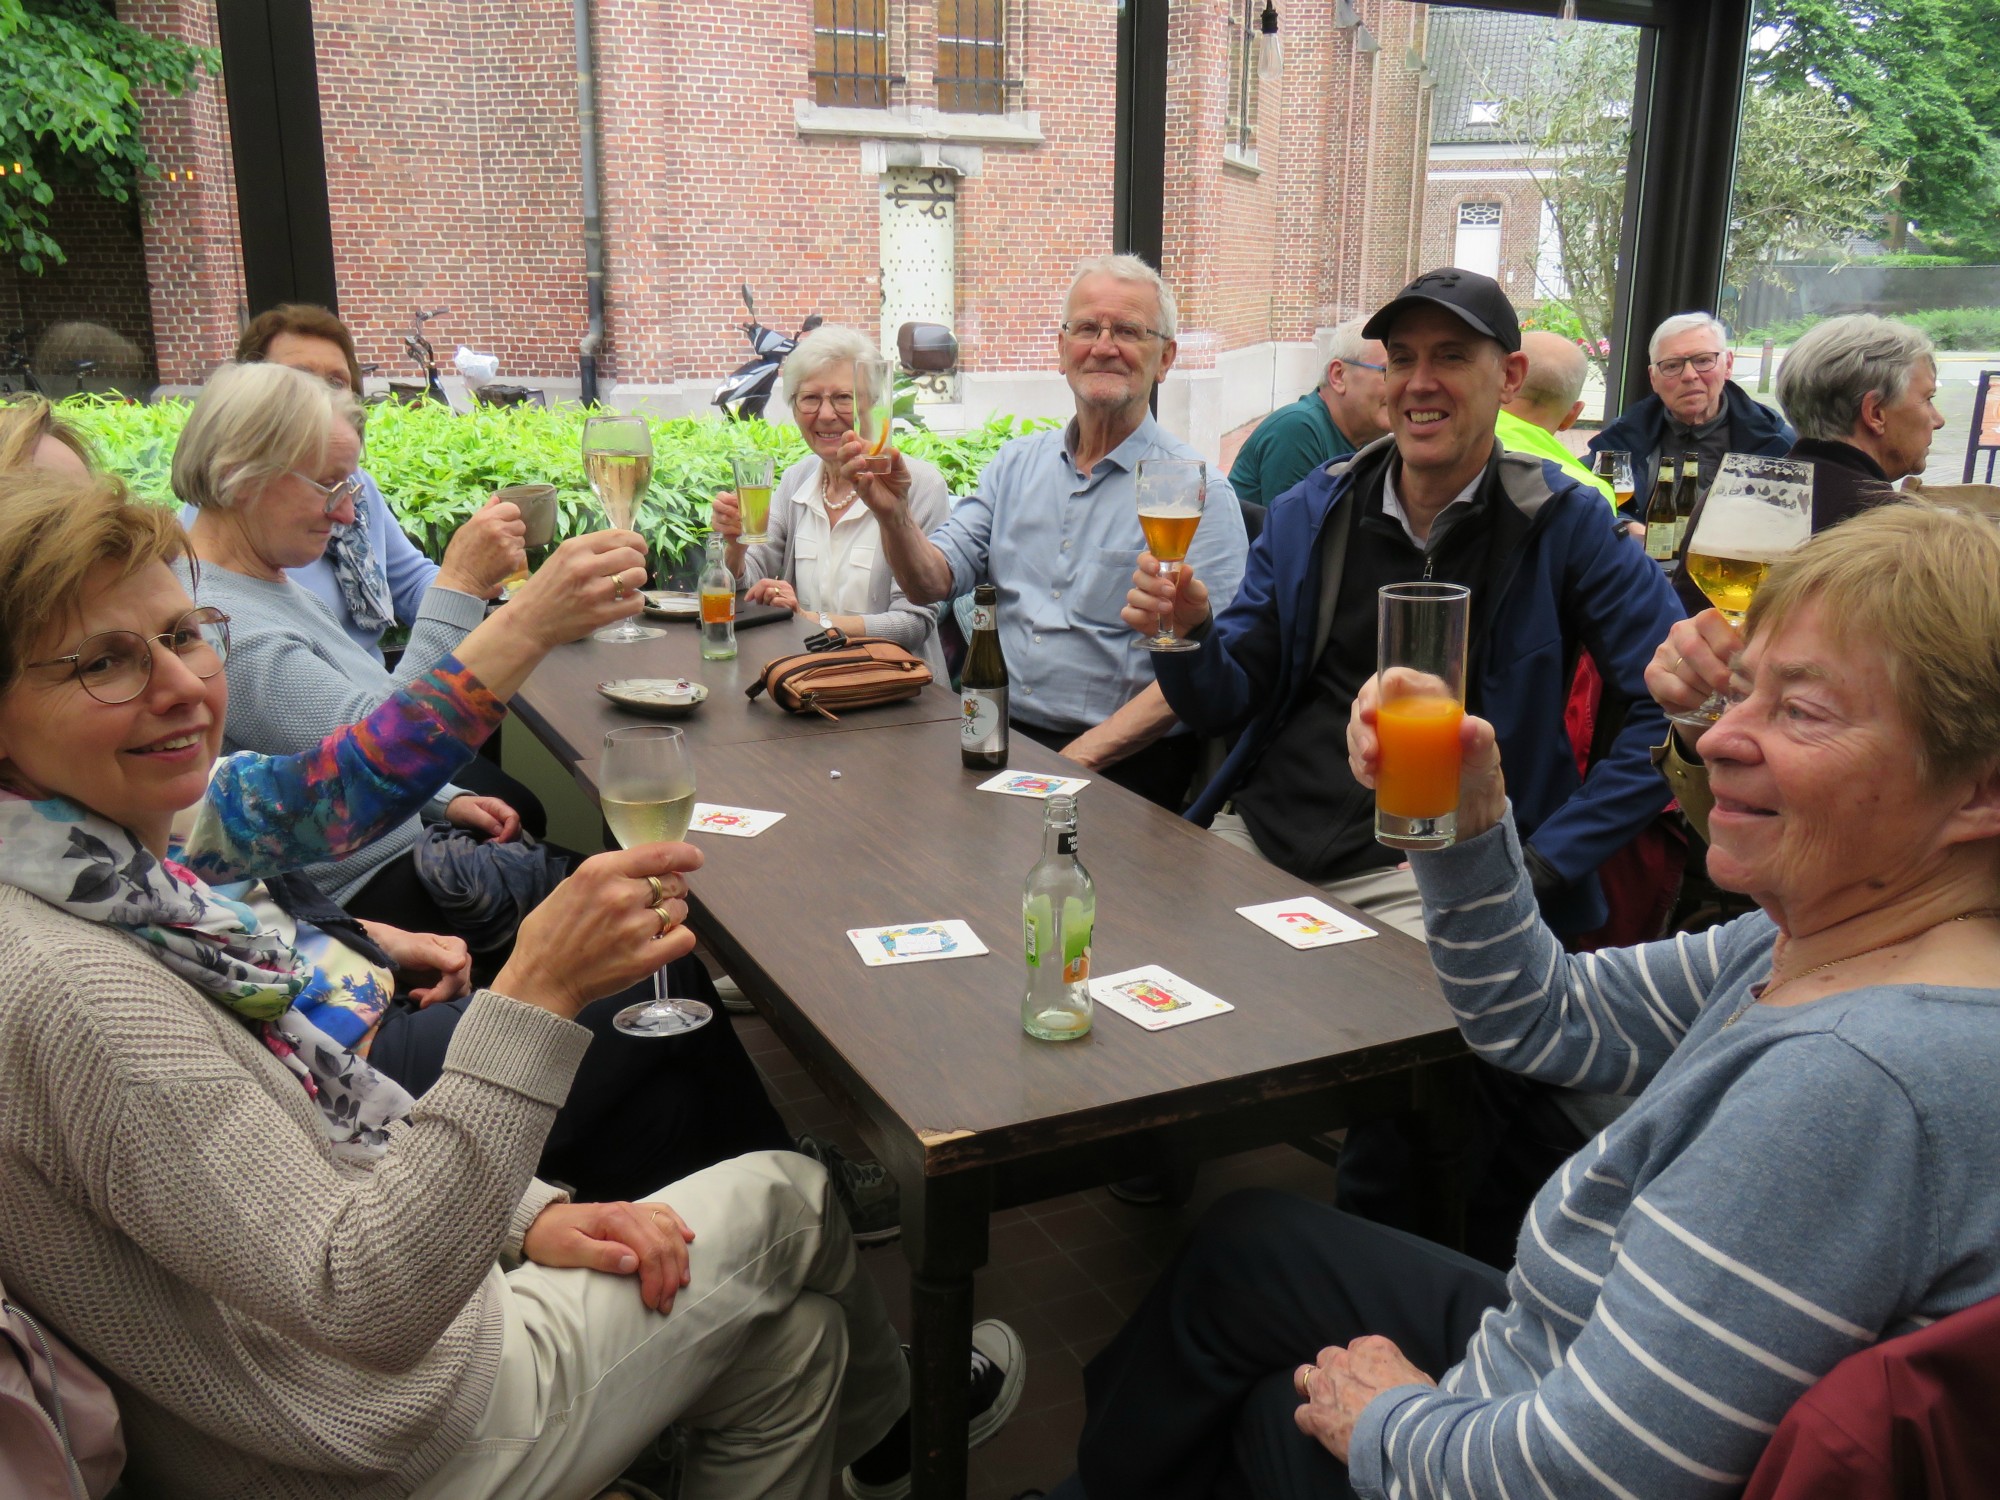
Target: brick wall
102, 282
1520, 222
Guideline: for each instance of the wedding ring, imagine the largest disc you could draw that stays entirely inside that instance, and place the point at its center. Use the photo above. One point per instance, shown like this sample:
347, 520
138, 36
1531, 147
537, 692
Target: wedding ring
659, 891
1302, 1381
1677, 662
617, 586
666, 918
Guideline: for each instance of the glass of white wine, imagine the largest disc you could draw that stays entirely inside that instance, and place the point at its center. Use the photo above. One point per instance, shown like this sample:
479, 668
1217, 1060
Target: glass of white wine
646, 792
618, 461
1757, 510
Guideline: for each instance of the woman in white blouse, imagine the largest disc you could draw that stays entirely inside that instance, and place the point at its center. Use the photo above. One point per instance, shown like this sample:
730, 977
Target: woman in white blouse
824, 558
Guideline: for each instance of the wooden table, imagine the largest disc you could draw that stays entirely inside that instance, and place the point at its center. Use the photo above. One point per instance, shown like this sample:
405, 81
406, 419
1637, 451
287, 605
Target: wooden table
929, 1059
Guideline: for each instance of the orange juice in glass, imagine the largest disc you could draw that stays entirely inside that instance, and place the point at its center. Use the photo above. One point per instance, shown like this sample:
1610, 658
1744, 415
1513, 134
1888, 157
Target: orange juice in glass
1420, 664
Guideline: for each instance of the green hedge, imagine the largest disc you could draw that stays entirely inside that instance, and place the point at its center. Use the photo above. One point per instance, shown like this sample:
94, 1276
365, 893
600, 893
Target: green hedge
436, 467
1950, 328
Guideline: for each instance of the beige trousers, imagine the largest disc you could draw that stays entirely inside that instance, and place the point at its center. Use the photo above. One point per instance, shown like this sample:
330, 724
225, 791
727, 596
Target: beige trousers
1390, 894
777, 1360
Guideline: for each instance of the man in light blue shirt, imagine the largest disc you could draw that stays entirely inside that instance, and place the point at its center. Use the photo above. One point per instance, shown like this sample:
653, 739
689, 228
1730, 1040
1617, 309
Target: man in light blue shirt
1054, 526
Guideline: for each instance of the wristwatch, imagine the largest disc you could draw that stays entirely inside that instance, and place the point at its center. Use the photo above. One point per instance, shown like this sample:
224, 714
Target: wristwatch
825, 620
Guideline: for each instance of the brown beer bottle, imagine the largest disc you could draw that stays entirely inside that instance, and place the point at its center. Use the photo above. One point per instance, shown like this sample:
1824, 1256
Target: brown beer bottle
1685, 492
982, 724
1662, 534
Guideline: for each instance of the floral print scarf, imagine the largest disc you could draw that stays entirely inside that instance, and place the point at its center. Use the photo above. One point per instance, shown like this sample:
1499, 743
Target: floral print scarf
97, 870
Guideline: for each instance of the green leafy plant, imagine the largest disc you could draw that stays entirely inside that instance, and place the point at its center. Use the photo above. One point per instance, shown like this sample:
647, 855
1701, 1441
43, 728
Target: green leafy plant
435, 468
1951, 328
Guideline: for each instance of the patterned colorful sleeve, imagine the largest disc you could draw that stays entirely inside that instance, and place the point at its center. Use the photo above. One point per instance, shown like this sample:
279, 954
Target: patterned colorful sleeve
265, 814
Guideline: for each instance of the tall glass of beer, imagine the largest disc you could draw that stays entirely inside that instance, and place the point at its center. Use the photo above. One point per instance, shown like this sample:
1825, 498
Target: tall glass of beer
1757, 510
1617, 467
1420, 666
753, 495
1172, 492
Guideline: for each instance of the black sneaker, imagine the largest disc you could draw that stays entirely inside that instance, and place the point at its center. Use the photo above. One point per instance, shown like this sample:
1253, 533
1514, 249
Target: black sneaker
999, 1372
868, 1195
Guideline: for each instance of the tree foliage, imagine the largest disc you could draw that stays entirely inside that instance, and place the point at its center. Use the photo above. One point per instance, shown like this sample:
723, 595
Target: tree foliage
70, 72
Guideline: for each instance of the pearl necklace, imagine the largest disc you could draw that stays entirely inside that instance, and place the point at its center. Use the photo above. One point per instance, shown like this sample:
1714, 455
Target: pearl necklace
1909, 937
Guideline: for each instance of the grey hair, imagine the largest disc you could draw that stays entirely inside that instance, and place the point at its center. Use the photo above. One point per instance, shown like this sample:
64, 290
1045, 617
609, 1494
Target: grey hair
1129, 268
828, 344
1686, 322
1552, 385
1344, 342
1837, 363
250, 424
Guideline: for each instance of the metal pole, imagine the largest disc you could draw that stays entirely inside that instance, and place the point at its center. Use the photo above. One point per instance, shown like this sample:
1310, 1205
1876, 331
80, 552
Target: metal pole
593, 215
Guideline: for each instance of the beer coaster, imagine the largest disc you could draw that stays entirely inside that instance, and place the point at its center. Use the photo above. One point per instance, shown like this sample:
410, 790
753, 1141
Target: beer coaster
731, 822
1156, 998
1306, 922
914, 943
1034, 784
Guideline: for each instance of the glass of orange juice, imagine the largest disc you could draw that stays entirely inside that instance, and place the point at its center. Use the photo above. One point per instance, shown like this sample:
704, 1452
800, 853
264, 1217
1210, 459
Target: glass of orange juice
1420, 665
874, 402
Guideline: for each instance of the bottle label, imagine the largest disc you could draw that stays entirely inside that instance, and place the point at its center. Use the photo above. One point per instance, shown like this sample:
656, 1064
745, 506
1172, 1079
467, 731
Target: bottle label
985, 617
1660, 541
1036, 919
1077, 920
982, 724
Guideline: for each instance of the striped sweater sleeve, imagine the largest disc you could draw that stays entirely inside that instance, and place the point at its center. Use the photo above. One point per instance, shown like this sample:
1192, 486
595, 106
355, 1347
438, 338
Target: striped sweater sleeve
1787, 1233
1601, 1022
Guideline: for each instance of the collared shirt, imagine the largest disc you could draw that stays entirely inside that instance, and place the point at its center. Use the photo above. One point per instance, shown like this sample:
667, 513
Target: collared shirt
1392, 507
1712, 439
833, 564
1522, 436
1060, 548
1287, 445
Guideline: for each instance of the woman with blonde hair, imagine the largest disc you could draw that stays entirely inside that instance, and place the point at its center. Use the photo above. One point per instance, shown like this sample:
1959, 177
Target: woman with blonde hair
32, 432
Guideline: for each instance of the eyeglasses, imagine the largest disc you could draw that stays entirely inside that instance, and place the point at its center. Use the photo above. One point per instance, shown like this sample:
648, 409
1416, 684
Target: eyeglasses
1362, 364
348, 489
809, 406
1125, 335
114, 666
1701, 364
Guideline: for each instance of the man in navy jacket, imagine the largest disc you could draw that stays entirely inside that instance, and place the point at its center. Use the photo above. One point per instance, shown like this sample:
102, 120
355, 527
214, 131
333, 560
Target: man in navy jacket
1551, 575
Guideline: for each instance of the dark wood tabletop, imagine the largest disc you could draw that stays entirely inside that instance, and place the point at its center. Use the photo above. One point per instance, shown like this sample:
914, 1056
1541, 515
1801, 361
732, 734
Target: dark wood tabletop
561, 705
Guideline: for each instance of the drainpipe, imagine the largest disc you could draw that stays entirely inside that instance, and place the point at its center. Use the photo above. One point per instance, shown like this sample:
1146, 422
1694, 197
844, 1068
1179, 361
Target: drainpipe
593, 217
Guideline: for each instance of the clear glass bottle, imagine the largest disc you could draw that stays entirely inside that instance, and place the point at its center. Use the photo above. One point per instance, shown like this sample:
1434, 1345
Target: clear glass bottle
1058, 911
718, 605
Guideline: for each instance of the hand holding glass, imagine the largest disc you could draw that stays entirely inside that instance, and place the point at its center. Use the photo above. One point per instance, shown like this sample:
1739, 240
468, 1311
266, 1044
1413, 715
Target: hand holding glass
646, 792
618, 461
1420, 675
1171, 492
874, 402
753, 495
537, 504
1758, 510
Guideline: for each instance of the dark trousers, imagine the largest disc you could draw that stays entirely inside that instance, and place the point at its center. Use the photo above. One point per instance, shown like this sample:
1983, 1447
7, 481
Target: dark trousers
643, 1111
1161, 773
1194, 1397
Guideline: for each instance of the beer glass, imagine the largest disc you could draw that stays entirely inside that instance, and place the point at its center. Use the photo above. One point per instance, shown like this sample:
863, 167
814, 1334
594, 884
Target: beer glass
537, 504
1617, 467
753, 495
646, 793
874, 402
1420, 673
1172, 492
618, 461
1757, 510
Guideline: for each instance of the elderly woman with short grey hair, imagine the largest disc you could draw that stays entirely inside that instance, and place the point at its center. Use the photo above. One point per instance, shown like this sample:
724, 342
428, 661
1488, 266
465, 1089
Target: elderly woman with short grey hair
1859, 390
823, 558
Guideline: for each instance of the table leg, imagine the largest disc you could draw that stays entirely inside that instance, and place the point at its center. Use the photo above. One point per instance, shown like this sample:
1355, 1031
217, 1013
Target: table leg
944, 1237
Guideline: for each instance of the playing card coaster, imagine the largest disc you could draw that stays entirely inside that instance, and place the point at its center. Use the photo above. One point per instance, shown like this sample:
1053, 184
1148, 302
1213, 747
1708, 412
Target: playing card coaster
1033, 784
1156, 998
731, 822
914, 943
1306, 922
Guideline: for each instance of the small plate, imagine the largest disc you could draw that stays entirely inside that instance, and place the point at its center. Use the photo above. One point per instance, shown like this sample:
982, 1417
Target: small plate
672, 605
664, 697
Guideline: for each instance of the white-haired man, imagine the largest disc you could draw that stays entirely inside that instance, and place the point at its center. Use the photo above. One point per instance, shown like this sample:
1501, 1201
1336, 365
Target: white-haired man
1340, 415
1054, 526
1695, 407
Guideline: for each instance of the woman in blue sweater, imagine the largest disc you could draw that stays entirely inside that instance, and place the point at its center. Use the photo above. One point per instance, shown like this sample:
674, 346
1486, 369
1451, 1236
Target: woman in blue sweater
1812, 1160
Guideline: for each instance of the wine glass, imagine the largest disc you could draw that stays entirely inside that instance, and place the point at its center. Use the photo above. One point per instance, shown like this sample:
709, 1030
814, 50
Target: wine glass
618, 461
1172, 492
1757, 510
646, 793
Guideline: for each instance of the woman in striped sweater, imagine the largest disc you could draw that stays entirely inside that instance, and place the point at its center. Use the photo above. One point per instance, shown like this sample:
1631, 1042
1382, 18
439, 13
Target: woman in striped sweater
1812, 1159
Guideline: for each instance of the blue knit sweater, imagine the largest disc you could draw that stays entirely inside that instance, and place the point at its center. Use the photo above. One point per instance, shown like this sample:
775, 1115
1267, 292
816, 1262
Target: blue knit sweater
1787, 1189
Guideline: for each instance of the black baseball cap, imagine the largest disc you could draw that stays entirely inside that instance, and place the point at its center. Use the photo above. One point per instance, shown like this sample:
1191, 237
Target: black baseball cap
1476, 300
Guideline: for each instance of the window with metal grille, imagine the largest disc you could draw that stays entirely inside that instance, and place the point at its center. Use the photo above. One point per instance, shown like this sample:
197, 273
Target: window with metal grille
1239, 124
851, 53
972, 56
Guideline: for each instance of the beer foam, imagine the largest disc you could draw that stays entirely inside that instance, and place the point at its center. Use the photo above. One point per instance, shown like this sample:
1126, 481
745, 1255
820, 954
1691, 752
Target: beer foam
1751, 533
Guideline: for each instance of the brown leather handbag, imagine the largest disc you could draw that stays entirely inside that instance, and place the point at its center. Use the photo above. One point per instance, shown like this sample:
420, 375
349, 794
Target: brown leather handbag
863, 672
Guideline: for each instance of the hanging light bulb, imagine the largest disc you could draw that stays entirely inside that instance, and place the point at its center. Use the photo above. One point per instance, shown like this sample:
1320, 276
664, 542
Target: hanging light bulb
1345, 17
1364, 40
1270, 51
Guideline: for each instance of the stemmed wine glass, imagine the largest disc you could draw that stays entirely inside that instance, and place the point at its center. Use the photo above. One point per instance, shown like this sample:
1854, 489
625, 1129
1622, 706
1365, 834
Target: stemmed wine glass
618, 461
1172, 492
1758, 510
646, 792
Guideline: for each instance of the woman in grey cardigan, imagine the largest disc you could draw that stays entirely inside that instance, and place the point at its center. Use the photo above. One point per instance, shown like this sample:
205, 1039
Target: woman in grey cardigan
824, 559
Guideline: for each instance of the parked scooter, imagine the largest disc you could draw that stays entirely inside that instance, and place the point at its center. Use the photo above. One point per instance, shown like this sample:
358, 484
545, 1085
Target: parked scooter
748, 389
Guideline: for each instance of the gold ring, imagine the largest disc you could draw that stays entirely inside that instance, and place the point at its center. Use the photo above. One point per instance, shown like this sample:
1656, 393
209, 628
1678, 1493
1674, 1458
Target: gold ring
666, 918
617, 586
1677, 662
659, 891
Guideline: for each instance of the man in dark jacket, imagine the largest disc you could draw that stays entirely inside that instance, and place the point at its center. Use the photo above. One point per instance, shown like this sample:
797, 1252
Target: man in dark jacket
1695, 407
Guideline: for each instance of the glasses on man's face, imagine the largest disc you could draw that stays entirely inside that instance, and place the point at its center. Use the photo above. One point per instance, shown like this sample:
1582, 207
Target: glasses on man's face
114, 666
1362, 364
810, 406
1124, 335
333, 494
1701, 364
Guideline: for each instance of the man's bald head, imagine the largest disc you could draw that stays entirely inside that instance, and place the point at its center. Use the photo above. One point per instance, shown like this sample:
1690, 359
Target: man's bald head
1552, 395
